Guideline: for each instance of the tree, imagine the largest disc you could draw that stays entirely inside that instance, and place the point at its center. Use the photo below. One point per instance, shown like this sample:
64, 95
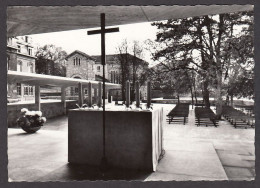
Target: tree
171, 83
139, 67
240, 84
44, 66
123, 60
51, 60
133, 68
207, 46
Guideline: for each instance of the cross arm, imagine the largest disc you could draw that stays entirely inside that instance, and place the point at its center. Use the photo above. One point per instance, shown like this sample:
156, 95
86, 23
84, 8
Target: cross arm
110, 30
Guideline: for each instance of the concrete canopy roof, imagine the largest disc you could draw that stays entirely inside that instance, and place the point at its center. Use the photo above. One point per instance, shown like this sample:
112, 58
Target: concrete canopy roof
26, 20
48, 80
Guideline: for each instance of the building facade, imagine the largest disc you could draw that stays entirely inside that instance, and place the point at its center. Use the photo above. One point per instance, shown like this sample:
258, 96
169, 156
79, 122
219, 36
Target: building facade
83, 66
21, 58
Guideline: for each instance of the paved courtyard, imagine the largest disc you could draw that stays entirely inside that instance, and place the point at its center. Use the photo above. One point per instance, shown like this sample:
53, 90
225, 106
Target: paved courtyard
191, 153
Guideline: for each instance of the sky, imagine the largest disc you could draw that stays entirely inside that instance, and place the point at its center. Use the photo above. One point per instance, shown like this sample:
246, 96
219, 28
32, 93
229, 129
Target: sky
91, 44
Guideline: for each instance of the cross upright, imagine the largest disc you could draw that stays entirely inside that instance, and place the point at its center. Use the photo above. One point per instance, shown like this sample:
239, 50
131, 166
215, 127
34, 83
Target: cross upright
103, 31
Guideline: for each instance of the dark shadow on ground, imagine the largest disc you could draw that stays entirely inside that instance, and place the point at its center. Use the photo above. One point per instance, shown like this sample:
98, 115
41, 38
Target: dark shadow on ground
21, 134
72, 172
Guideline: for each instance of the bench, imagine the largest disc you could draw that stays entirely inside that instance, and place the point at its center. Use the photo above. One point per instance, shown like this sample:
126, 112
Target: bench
205, 116
238, 118
181, 110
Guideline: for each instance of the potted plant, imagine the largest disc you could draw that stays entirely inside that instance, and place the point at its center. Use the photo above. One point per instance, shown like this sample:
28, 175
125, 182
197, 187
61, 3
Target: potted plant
30, 121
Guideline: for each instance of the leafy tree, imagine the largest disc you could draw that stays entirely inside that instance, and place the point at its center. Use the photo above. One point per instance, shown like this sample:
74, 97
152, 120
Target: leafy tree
51, 60
171, 83
206, 45
240, 85
123, 60
133, 68
44, 66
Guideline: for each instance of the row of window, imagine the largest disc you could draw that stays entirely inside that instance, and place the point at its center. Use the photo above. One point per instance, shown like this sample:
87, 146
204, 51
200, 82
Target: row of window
28, 90
76, 61
114, 77
75, 91
20, 67
29, 50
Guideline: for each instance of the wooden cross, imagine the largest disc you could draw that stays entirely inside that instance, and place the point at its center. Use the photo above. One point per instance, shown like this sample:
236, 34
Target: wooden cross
103, 31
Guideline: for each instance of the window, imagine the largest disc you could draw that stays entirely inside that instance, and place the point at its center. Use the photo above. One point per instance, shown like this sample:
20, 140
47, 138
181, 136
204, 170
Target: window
72, 91
19, 48
76, 90
30, 90
86, 91
30, 68
29, 51
19, 66
112, 76
26, 90
26, 38
18, 88
76, 61
9, 41
98, 68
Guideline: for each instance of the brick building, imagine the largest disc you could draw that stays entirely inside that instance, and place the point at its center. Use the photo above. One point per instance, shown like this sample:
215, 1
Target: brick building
79, 65
21, 58
83, 66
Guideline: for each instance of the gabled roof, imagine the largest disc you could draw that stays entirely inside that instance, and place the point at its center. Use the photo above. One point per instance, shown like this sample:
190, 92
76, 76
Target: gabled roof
109, 58
81, 53
112, 57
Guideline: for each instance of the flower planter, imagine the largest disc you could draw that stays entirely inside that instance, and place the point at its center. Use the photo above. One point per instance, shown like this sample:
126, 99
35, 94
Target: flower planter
30, 129
31, 121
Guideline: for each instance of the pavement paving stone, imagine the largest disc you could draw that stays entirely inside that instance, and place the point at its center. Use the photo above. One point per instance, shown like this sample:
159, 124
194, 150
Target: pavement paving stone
235, 173
192, 163
191, 153
162, 176
233, 160
184, 145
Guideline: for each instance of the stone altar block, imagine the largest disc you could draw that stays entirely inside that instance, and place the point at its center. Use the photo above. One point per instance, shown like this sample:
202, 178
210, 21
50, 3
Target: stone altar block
133, 138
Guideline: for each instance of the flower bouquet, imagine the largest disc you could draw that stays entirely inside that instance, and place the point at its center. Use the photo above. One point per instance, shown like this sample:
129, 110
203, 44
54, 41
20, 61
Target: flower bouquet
30, 121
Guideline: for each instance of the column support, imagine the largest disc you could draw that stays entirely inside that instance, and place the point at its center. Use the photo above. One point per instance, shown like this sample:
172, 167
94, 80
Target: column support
148, 94
63, 99
99, 102
127, 94
38, 97
137, 94
80, 101
95, 96
89, 94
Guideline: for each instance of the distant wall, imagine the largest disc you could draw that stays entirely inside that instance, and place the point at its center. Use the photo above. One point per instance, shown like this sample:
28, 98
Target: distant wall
49, 110
200, 101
